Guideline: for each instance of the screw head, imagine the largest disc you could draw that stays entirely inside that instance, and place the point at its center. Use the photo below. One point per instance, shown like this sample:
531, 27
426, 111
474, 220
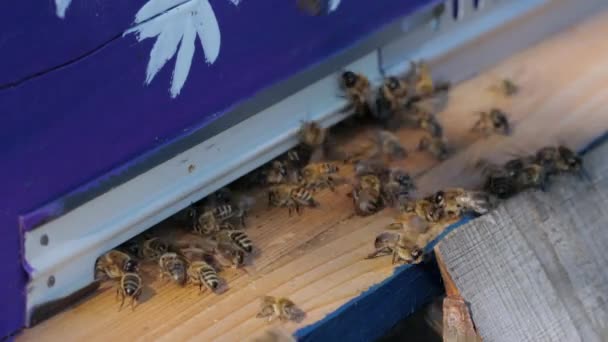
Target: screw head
44, 240
51, 281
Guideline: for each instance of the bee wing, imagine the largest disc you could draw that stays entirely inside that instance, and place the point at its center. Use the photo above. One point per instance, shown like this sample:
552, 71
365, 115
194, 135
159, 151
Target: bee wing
385, 239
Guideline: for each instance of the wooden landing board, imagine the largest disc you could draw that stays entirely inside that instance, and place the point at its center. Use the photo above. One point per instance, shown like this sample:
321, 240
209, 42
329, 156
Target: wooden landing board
535, 269
317, 259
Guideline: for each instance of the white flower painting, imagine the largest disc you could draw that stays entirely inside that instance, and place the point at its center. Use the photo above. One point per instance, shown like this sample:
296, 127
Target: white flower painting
176, 24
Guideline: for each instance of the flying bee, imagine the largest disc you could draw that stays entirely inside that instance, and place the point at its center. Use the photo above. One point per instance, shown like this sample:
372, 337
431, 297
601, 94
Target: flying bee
291, 196
506, 87
113, 264
423, 208
281, 308
397, 186
319, 175
435, 146
202, 274
390, 145
130, 286
173, 266
569, 160
367, 195
153, 248
358, 92
493, 122
392, 96
234, 238
399, 246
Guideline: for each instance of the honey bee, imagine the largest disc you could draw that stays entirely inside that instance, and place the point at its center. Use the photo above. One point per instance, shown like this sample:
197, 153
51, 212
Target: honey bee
532, 176
428, 123
281, 308
319, 175
506, 87
174, 266
493, 122
113, 264
228, 211
456, 201
367, 195
130, 286
311, 134
500, 182
423, 208
399, 246
397, 186
206, 223
277, 173
375, 166
153, 248
390, 145
228, 256
234, 238
559, 159
291, 196
435, 146
202, 274
358, 91
392, 96
422, 78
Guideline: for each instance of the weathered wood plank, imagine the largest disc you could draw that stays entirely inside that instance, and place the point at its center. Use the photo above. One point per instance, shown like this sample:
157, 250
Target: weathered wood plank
534, 270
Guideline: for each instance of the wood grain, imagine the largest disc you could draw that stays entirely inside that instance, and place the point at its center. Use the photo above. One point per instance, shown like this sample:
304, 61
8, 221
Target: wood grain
317, 259
534, 270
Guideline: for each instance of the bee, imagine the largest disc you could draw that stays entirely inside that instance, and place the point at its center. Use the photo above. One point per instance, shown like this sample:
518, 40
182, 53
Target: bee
227, 211
423, 81
229, 256
202, 274
493, 122
282, 308
559, 159
311, 134
277, 173
506, 87
174, 266
375, 166
390, 145
206, 223
397, 186
428, 123
234, 238
130, 286
434, 145
392, 96
319, 175
113, 264
367, 195
532, 176
290, 196
221, 196
153, 248
399, 246
456, 201
358, 92
501, 182
424, 208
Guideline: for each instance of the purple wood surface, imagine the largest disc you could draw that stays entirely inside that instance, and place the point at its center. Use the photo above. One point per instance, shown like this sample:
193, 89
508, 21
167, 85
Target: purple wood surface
70, 129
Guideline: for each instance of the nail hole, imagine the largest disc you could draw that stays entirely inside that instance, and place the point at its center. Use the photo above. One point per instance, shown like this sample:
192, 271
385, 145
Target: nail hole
456, 9
51, 281
44, 240
191, 168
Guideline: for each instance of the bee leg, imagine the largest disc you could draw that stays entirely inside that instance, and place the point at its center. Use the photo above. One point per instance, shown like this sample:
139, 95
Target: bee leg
200, 288
122, 302
395, 257
289, 209
298, 209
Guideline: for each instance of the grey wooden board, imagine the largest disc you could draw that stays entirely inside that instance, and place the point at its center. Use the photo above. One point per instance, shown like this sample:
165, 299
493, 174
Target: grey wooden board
536, 269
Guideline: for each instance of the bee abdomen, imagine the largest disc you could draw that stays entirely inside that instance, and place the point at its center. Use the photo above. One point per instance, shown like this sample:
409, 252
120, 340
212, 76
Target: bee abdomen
242, 241
223, 212
131, 282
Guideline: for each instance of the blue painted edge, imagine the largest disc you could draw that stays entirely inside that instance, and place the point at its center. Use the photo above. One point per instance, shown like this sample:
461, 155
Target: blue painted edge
594, 143
371, 314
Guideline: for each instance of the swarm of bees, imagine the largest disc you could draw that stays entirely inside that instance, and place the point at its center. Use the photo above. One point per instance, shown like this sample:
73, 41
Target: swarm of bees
213, 234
